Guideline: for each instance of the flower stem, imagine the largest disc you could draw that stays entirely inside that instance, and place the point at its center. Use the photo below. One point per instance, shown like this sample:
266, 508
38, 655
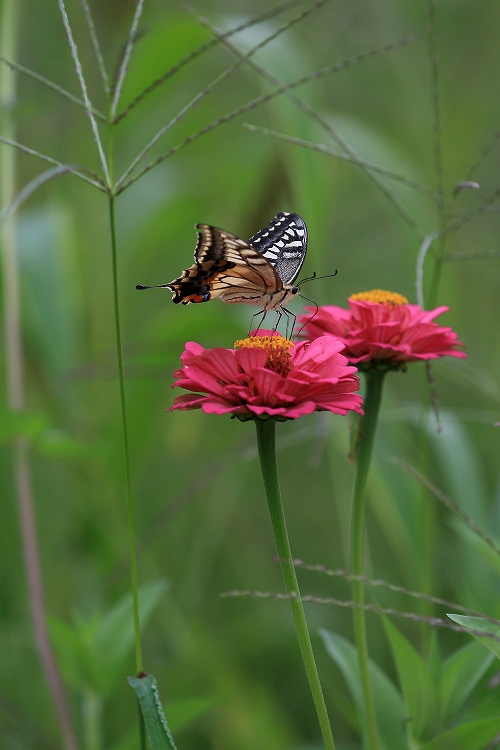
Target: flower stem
130, 514
374, 384
267, 454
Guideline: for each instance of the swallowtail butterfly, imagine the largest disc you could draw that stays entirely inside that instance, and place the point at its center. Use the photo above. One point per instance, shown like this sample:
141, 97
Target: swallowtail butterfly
259, 272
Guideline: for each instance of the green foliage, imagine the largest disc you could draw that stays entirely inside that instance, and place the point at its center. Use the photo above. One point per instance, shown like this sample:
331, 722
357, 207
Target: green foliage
460, 674
480, 625
92, 651
159, 735
474, 736
198, 499
420, 693
389, 706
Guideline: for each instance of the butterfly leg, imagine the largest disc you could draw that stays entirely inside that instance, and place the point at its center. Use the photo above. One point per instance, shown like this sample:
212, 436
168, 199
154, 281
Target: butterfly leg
260, 312
279, 314
290, 319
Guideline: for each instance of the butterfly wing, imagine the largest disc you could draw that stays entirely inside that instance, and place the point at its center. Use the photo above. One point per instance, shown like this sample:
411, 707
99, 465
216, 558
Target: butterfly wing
284, 244
227, 267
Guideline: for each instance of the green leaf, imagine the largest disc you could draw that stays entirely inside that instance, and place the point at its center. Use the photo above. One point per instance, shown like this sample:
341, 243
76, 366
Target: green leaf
157, 728
72, 644
389, 706
474, 736
460, 674
116, 631
420, 692
483, 626
91, 650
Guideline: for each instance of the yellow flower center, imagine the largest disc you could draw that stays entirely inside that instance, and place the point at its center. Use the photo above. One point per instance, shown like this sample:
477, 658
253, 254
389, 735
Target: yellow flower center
277, 349
380, 297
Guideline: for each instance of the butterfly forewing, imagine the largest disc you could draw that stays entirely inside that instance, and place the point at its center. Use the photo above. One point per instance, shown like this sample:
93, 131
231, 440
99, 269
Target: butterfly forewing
284, 244
225, 266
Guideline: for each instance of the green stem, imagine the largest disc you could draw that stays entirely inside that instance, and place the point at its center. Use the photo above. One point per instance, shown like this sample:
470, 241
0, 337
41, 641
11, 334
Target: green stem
121, 379
374, 384
267, 455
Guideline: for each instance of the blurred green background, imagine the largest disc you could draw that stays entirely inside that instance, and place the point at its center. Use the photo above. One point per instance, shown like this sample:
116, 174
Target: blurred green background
229, 670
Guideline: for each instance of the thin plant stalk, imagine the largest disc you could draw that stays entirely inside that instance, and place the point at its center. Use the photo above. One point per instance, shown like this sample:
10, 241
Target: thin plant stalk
371, 406
266, 440
123, 406
15, 381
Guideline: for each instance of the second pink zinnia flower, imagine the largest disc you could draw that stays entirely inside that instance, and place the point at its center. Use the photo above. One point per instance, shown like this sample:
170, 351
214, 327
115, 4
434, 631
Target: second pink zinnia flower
382, 327
268, 376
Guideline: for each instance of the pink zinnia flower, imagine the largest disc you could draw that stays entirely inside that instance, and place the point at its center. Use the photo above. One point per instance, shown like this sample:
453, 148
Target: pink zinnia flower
268, 376
383, 328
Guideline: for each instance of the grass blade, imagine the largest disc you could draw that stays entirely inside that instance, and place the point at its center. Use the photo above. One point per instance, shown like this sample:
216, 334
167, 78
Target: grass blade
310, 112
83, 86
435, 622
419, 273
436, 110
95, 44
25, 149
480, 255
271, 13
367, 165
126, 57
337, 67
478, 627
30, 188
202, 94
157, 729
51, 85
448, 502
389, 586
471, 736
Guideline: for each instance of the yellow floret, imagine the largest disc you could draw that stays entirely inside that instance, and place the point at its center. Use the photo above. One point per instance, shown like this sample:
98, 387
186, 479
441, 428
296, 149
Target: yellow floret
380, 297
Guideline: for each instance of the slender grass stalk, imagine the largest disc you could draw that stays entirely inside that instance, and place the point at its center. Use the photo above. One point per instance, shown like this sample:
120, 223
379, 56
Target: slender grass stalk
221, 77
448, 502
126, 451
480, 255
123, 183
28, 190
267, 14
371, 406
70, 168
366, 165
435, 622
83, 86
438, 151
266, 434
126, 57
15, 379
51, 85
326, 126
95, 44
379, 582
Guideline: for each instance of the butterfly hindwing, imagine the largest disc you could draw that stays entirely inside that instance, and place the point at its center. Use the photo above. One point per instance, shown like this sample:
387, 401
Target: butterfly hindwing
284, 244
225, 266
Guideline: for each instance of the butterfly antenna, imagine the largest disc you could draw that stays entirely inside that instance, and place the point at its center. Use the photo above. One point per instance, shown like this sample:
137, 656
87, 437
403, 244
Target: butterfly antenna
313, 277
314, 313
156, 286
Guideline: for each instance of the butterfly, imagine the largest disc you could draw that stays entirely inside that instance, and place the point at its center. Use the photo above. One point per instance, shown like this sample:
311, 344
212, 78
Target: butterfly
259, 272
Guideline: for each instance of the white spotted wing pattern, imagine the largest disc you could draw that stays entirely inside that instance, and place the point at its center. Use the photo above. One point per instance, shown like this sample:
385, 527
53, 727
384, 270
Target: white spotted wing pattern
284, 244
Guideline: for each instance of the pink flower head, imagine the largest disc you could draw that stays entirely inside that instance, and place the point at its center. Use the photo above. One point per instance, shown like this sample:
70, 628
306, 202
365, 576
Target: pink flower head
268, 376
383, 328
